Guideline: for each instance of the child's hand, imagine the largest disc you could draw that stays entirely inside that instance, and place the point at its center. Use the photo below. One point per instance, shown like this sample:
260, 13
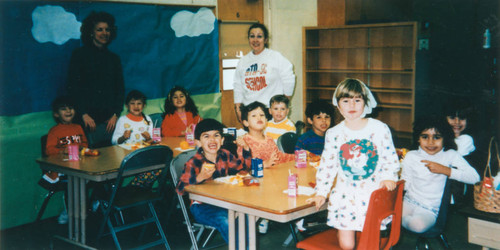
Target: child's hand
437, 168
271, 161
318, 200
127, 134
146, 135
388, 184
204, 174
242, 143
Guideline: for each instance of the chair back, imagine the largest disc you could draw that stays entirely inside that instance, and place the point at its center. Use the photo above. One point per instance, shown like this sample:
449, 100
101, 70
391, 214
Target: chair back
438, 227
43, 143
383, 203
177, 165
299, 126
286, 142
176, 168
148, 156
157, 119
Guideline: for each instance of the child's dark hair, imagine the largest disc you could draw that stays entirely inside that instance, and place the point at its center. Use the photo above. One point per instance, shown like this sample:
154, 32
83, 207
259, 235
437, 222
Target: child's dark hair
207, 125
279, 99
169, 105
137, 95
252, 106
61, 102
317, 107
440, 125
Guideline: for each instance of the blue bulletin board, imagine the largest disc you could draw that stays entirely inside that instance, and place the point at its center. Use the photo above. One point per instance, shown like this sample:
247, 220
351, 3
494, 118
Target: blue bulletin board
160, 46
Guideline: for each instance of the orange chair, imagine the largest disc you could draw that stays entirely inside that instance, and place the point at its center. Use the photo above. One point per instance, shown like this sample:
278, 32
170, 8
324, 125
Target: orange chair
382, 204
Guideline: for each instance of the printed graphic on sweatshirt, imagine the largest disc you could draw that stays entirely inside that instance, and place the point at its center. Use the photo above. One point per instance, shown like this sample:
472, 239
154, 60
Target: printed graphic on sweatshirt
255, 79
71, 139
358, 158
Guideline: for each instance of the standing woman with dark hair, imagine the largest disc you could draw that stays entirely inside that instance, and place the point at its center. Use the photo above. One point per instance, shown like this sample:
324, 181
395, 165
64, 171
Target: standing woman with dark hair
95, 79
262, 73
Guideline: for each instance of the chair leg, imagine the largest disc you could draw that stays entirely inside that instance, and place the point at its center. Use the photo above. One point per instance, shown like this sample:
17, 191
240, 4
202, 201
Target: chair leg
44, 205
209, 237
158, 225
444, 241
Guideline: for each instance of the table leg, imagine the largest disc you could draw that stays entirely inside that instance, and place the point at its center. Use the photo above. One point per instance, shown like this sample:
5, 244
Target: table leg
241, 230
71, 214
83, 209
76, 207
252, 239
231, 229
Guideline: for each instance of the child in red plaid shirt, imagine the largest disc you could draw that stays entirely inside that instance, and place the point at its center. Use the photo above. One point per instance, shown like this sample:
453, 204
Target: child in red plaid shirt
208, 135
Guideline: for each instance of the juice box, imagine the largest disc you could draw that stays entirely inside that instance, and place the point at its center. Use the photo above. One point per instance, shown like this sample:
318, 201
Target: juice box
156, 134
73, 153
190, 136
300, 158
257, 169
292, 185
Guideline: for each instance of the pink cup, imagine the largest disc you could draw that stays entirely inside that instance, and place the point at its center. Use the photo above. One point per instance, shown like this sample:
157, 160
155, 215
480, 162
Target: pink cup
73, 152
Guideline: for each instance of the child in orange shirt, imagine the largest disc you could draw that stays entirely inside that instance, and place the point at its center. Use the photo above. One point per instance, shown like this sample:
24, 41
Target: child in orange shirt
180, 113
59, 137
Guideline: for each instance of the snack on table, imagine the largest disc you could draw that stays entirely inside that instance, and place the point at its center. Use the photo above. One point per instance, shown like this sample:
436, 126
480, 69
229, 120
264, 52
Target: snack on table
184, 145
89, 152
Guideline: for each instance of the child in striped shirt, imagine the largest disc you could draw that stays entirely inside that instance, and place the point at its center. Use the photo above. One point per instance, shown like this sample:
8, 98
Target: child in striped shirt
280, 123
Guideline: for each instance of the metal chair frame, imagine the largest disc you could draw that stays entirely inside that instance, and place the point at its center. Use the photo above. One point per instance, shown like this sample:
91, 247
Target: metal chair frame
125, 197
176, 168
286, 142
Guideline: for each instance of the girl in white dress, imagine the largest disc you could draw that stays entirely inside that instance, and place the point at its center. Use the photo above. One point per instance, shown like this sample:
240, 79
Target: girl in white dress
358, 151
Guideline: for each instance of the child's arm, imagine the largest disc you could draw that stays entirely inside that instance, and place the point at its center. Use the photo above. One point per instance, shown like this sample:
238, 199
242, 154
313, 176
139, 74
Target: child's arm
318, 201
437, 168
119, 131
388, 158
51, 146
193, 174
124, 137
328, 167
462, 171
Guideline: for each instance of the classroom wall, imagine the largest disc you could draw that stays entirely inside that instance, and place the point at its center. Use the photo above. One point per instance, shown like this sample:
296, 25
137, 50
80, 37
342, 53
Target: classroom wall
20, 196
285, 19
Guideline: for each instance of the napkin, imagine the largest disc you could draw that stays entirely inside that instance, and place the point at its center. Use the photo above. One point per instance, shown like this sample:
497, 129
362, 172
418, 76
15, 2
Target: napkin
303, 190
184, 150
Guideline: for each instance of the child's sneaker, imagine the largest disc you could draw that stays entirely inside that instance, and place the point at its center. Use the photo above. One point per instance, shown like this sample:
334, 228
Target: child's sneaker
63, 217
263, 225
300, 225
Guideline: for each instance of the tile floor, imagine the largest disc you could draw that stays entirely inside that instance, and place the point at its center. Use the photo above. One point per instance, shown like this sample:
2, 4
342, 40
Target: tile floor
40, 235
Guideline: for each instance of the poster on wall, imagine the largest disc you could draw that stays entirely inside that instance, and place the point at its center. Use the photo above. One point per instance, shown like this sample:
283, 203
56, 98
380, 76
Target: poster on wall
159, 46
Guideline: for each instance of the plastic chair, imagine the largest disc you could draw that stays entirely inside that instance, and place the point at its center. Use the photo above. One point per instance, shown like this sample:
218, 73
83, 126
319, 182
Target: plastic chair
382, 204
299, 126
286, 142
51, 188
126, 197
157, 119
437, 231
176, 168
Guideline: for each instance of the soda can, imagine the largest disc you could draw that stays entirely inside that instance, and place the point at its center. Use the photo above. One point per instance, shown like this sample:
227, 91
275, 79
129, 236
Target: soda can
257, 169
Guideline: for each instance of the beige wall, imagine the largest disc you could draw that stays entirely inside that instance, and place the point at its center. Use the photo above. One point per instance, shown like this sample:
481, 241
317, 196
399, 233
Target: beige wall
285, 19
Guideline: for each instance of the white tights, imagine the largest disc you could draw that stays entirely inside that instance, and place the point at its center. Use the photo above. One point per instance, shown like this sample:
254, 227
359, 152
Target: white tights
416, 218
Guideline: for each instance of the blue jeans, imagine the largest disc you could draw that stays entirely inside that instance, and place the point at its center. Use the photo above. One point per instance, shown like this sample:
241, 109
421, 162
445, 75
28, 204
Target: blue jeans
212, 216
215, 217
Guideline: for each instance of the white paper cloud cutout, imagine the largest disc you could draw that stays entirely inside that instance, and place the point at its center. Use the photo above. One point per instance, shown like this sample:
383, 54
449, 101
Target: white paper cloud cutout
54, 24
186, 23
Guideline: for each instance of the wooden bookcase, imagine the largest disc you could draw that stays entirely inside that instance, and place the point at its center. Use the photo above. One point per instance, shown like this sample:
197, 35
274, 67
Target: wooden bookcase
381, 55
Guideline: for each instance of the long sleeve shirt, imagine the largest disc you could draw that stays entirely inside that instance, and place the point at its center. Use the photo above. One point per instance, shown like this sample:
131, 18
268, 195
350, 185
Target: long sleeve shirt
173, 125
425, 187
138, 126
260, 77
62, 135
225, 164
95, 82
264, 149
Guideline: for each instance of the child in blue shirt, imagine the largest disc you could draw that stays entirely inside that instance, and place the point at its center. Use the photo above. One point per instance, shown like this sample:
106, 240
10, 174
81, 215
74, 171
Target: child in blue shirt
319, 115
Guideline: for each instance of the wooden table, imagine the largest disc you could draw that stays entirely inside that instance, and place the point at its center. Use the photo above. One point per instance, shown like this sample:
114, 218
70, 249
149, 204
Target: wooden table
267, 200
92, 168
